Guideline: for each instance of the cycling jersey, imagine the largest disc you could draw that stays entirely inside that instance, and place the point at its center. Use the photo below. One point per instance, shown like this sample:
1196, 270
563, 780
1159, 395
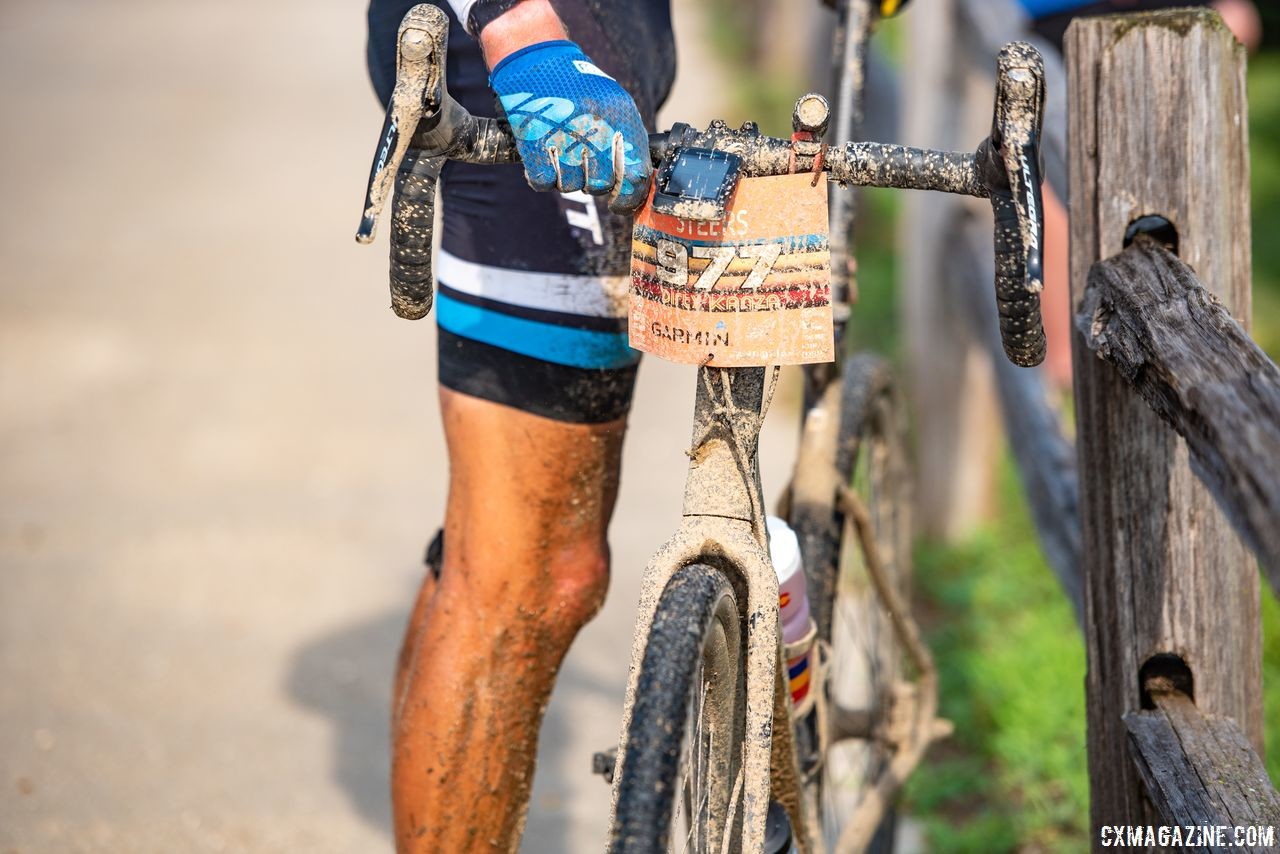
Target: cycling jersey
1050, 18
1040, 8
532, 287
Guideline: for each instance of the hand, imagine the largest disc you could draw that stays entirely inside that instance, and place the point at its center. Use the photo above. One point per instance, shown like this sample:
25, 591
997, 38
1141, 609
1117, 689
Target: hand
1242, 18
576, 128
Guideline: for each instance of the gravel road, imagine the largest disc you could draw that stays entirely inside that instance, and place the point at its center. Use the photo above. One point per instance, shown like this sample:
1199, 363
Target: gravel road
220, 454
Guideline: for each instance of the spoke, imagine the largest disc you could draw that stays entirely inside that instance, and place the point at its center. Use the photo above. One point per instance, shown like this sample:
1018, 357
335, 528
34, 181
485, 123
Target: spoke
733, 809
925, 727
904, 626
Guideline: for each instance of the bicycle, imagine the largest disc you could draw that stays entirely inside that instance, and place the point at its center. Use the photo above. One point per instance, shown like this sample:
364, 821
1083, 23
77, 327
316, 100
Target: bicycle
711, 750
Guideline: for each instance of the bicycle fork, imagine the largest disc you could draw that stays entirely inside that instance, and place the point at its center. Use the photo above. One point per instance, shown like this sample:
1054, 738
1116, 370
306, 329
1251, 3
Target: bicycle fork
723, 526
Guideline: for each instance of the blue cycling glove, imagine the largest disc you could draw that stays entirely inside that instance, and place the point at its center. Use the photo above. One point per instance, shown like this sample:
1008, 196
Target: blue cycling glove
576, 128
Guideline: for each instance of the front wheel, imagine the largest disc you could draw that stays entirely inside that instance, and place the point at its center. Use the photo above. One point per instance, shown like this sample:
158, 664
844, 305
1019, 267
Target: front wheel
684, 743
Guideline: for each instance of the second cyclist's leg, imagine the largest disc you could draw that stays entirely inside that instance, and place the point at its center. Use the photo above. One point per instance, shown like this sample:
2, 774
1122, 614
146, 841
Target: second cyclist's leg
525, 566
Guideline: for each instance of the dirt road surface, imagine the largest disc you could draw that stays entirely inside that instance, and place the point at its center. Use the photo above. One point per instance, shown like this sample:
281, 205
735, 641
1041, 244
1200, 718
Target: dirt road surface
220, 455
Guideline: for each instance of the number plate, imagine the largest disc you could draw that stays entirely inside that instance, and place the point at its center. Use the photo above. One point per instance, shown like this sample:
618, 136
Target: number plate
753, 289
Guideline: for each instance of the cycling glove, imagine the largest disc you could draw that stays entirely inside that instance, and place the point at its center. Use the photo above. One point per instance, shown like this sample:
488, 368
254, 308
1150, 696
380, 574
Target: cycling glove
575, 127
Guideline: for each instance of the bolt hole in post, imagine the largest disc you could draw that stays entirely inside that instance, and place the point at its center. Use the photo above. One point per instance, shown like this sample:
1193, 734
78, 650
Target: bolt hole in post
1155, 226
1163, 673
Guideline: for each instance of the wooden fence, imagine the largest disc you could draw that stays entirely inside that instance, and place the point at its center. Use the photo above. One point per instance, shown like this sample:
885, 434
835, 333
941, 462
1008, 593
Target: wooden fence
1158, 129
1148, 519
1176, 344
1170, 340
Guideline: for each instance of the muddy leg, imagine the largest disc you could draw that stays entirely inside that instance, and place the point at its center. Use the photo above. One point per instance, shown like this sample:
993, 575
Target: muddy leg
526, 566
411, 646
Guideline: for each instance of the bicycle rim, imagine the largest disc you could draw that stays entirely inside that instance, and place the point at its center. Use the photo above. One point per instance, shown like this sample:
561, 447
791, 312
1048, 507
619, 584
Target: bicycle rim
681, 783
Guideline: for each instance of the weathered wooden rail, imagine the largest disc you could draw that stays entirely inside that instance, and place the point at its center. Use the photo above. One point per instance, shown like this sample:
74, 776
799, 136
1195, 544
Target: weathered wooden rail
1172, 631
1200, 770
1147, 314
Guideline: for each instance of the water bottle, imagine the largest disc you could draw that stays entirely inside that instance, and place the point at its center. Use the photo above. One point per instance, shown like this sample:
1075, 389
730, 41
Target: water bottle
793, 602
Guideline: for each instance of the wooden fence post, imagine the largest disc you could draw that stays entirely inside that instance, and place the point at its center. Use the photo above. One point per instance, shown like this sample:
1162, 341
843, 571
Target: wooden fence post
1157, 126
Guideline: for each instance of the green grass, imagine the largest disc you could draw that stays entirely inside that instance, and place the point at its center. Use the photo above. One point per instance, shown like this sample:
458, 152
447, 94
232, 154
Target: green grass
873, 325
1264, 156
1011, 662
1014, 775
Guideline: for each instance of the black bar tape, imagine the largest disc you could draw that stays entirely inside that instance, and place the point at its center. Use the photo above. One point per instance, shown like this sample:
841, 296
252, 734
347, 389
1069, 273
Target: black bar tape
1021, 328
456, 134
492, 143
413, 210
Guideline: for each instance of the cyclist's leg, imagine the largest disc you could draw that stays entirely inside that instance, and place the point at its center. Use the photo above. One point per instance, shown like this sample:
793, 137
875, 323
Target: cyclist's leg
411, 645
525, 566
534, 447
537, 379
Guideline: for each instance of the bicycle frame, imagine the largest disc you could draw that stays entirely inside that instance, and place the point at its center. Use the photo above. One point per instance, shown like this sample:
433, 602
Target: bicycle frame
723, 517
723, 526
723, 520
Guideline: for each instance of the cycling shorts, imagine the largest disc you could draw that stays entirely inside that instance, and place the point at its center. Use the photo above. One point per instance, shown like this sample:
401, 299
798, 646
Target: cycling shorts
532, 287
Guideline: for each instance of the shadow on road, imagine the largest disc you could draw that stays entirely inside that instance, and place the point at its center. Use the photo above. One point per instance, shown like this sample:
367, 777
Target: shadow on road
346, 676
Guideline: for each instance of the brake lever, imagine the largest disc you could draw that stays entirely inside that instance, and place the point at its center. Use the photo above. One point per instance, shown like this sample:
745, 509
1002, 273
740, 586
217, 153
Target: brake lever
420, 47
1015, 129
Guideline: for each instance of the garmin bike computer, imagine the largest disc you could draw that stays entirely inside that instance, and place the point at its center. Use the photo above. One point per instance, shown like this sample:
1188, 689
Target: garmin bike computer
696, 183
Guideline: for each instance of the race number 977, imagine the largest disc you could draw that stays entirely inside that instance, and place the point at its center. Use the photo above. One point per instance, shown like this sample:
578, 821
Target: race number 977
673, 262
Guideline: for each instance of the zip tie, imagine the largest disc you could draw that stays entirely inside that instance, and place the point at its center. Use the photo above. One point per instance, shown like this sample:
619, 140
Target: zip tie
817, 165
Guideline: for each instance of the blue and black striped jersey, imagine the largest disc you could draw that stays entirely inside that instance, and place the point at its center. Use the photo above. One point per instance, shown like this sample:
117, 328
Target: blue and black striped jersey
637, 34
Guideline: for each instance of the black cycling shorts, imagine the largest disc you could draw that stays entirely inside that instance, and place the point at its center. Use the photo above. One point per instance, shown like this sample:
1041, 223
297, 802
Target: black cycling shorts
532, 287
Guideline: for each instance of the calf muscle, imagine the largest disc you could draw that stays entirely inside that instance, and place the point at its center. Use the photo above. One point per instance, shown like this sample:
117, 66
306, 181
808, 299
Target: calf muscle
525, 567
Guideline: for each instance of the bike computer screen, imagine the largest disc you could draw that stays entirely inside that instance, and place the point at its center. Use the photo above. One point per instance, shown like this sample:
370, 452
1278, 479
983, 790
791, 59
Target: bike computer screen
697, 183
